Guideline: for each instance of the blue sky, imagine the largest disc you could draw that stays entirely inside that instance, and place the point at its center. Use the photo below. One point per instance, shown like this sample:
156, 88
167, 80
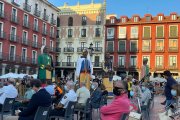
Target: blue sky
130, 7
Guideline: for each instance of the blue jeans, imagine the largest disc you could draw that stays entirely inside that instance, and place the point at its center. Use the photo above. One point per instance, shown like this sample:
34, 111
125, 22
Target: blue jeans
169, 102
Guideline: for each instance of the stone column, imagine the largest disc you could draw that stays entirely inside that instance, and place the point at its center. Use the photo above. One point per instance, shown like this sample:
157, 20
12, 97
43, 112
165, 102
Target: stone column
37, 70
62, 73
16, 68
3, 68
27, 70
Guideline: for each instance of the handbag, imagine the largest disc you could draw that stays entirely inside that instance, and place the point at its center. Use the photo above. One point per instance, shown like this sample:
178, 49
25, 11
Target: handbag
134, 116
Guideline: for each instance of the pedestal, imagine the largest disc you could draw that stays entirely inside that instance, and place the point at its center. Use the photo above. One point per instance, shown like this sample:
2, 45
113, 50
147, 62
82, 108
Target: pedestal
109, 86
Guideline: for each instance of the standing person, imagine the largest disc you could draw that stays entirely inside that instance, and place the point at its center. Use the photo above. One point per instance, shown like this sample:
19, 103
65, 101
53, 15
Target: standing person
168, 87
84, 69
144, 69
45, 66
129, 82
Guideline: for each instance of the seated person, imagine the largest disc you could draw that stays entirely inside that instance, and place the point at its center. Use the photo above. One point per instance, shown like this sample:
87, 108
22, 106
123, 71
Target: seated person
50, 87
119, 105
58, 92
146, 93
59, 109
40, 98
95, 95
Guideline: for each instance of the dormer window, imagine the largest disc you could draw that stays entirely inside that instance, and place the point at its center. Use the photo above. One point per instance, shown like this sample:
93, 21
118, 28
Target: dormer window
135, 19
173, 17
123, 20
112, 21
148, 18
160, 18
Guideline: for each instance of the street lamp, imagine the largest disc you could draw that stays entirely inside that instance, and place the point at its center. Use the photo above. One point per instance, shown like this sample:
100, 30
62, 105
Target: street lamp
91, 49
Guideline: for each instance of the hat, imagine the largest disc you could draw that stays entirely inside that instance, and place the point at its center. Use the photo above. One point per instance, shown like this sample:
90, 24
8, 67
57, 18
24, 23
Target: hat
167, 73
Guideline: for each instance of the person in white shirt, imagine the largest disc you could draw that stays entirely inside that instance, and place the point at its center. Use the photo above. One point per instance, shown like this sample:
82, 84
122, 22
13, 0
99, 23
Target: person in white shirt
146, 94
50, 88
8, 91
83, 94
69, 96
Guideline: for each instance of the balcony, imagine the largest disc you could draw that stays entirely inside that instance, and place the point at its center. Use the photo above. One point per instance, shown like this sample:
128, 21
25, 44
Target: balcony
33, 61
133, 67
44, 32
110, 50
36, 28
52, 49
97, 35
80, 49
69, 50
146, 49
173, 49
121, 51
98, 22
27, 7
159, 49
26, 24
2, 14
13, 38
58, 49
97, 64
14, 3
37, 13
2, 35
35, 44
67, 64
53, 21
25, 41
97, 49
70, 36
134, 37
134, 50
25, 60
14, 19
45, 17
52, 35
159, 67
173, 67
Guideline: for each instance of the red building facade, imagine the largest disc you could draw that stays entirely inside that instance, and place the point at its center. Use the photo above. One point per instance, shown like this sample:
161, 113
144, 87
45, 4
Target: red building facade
24, 28
129, 40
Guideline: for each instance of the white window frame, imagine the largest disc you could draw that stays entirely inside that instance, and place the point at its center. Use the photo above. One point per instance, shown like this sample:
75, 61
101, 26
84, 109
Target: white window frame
14, 50
52, 29
35, 55
125, 44
135, 19
1, 48
156, 44
26, 34
134, 35
108, 43
15, 29
3, 5
130, 44
36, 38
123, 20
37, 21
144, 31
149, 60
98, 18
2, 27
173, 39
149, 46
112, 21
172, 56
124, 60
25, 53
156, 60
136, 60
160, 18
122, 35
110, 36
174, 17
44, 24
51, 43
27, 17
159, 26
12, 11
170, 30
43, 38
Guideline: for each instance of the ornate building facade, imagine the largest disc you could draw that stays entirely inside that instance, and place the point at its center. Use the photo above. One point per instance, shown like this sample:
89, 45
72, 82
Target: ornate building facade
79, 27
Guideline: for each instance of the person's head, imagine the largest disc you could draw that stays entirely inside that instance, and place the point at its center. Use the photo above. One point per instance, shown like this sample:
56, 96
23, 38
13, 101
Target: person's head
11, 81
35, 84
82, 84
85, 52
145, 61
70, 85
129, 78
144, 85
120, 87
167, 74
49, 82
45, 50
136, 82
175, 90
102, 86
94, 85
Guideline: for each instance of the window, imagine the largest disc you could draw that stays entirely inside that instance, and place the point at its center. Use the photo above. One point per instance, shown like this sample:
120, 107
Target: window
83, 33
25, 20
25, 36
147, 32
122, 46
159, 62
68, 60
57, 35
134, 32
34, 38
52, 31
51, 45
98, 20
136, 19
173, 61
133, 45
122, 32
112, 21
121, 61
98, 32
173, 17
34, 57
36, 24
160, 18
14, 12
110, 33
97, 44
26, 1
58, 22
173, 45
1, 9
84, 20
83, 44
13, 34
159, 31
43, 41
1, 50
123, 20
1, 30
173, 31
70, 32
133, 61
44, 28
148, 57
36, 6
110, 45
146, 46
148, 18
24, 55
70, 21
14, 15
12, 52
160, 45
35, 41
69, 44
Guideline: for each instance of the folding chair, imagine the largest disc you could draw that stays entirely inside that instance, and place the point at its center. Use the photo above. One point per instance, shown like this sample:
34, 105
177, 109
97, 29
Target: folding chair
42, 113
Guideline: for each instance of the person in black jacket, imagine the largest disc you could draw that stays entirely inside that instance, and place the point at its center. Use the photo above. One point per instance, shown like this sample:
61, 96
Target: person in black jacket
40, 98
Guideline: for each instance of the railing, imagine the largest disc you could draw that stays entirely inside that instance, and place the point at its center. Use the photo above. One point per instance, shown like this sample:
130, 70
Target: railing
68, 49
172, 67
121, 51
97, 49
110, 50
2, 35
13, 38
35, 28
98, 22
53, 21
146, 49
159, 49
58, 49
45, 17
25, 41
33, 61
25, 60
44, 31
80, 49
2, 14
133, 50
67, 64
52, 49
97, 64
52, 34
35, 44
159, 67
27, 7
173, 49
26, 24
70, 36
37, 13
14, 19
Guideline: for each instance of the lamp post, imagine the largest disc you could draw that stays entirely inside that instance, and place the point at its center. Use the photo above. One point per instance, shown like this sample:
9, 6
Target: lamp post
91, 51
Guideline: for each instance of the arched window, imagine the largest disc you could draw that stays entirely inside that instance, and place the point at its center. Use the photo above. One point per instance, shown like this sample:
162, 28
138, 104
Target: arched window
70, 21
84, 20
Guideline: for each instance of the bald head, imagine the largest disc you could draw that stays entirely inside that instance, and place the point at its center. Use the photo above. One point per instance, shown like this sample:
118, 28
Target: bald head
70, 85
